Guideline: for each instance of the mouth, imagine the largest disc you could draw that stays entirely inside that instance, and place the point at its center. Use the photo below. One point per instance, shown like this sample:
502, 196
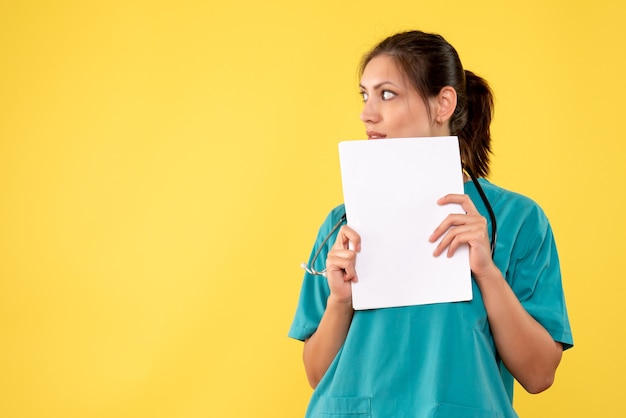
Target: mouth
375, 135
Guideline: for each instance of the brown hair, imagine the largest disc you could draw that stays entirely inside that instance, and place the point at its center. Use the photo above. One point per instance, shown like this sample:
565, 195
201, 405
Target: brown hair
431, 63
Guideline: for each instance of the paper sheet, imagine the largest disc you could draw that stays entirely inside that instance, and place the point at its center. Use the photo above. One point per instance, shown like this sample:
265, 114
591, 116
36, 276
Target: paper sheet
391, 188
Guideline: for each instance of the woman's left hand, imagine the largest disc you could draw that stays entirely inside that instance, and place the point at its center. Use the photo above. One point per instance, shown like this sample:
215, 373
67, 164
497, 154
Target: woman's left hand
526, 348
469, 228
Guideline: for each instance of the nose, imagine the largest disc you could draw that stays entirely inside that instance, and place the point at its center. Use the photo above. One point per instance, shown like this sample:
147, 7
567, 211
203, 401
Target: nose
370, 113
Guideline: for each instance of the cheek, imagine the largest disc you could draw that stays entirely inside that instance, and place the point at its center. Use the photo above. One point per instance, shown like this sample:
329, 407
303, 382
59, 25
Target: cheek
403, 121
415, 126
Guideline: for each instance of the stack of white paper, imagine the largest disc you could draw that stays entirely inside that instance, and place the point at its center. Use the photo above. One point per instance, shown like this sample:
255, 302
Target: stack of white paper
391, 188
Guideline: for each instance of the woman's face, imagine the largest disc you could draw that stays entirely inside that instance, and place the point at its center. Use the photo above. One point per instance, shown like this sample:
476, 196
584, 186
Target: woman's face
392, 107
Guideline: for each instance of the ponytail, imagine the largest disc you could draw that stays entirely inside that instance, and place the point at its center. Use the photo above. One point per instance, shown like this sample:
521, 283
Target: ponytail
475, 135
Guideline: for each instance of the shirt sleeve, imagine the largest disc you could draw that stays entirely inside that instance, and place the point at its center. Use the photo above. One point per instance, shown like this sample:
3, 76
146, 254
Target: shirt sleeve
536, 276
315, 291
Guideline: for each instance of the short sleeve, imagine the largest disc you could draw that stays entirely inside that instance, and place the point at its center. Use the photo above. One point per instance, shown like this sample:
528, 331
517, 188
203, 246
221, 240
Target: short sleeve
535, 276
315, 291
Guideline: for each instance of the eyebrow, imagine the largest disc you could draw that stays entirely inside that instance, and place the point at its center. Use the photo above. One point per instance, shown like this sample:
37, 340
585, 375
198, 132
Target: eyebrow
379, 85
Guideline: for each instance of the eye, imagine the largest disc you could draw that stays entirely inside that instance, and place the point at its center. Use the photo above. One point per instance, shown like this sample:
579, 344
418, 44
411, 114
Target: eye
364, 96
386, 95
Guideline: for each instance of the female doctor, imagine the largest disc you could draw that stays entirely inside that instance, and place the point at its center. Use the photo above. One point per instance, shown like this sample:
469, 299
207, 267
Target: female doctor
448, 359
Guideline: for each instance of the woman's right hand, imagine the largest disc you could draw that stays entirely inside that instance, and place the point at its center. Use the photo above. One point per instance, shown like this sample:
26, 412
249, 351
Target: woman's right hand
322, 347
340, 264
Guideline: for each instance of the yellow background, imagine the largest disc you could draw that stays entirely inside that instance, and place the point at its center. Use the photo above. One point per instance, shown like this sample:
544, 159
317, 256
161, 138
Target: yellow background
165, 165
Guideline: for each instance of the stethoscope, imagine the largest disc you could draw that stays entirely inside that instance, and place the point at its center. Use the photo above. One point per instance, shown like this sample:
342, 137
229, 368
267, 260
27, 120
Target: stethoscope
342, 219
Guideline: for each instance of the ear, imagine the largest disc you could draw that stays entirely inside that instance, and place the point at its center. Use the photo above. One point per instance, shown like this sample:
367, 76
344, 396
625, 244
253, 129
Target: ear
445, 104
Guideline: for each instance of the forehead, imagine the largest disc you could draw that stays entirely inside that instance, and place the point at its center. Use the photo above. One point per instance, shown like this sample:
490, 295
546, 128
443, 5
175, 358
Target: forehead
380, 69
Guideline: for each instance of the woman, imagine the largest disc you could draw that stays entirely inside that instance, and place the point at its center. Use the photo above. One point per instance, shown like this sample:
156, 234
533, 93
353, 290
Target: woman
448, 359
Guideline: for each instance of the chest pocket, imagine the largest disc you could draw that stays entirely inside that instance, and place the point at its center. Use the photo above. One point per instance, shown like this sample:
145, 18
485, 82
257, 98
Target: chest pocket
355, 407
444, 410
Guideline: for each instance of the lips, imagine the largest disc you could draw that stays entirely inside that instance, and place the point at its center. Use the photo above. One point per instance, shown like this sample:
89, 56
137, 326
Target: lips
375, 135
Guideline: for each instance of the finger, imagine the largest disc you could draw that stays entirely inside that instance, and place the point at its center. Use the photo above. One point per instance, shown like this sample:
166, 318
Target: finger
453, 220
340, 259
344, 266
444, 243
451, 241
456, 225
346, 236
460, 199
474, 239
341, 256
456, 242
471, 235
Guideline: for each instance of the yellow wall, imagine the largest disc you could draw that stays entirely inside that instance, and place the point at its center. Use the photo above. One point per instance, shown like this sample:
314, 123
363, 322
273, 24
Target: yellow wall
164, 166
